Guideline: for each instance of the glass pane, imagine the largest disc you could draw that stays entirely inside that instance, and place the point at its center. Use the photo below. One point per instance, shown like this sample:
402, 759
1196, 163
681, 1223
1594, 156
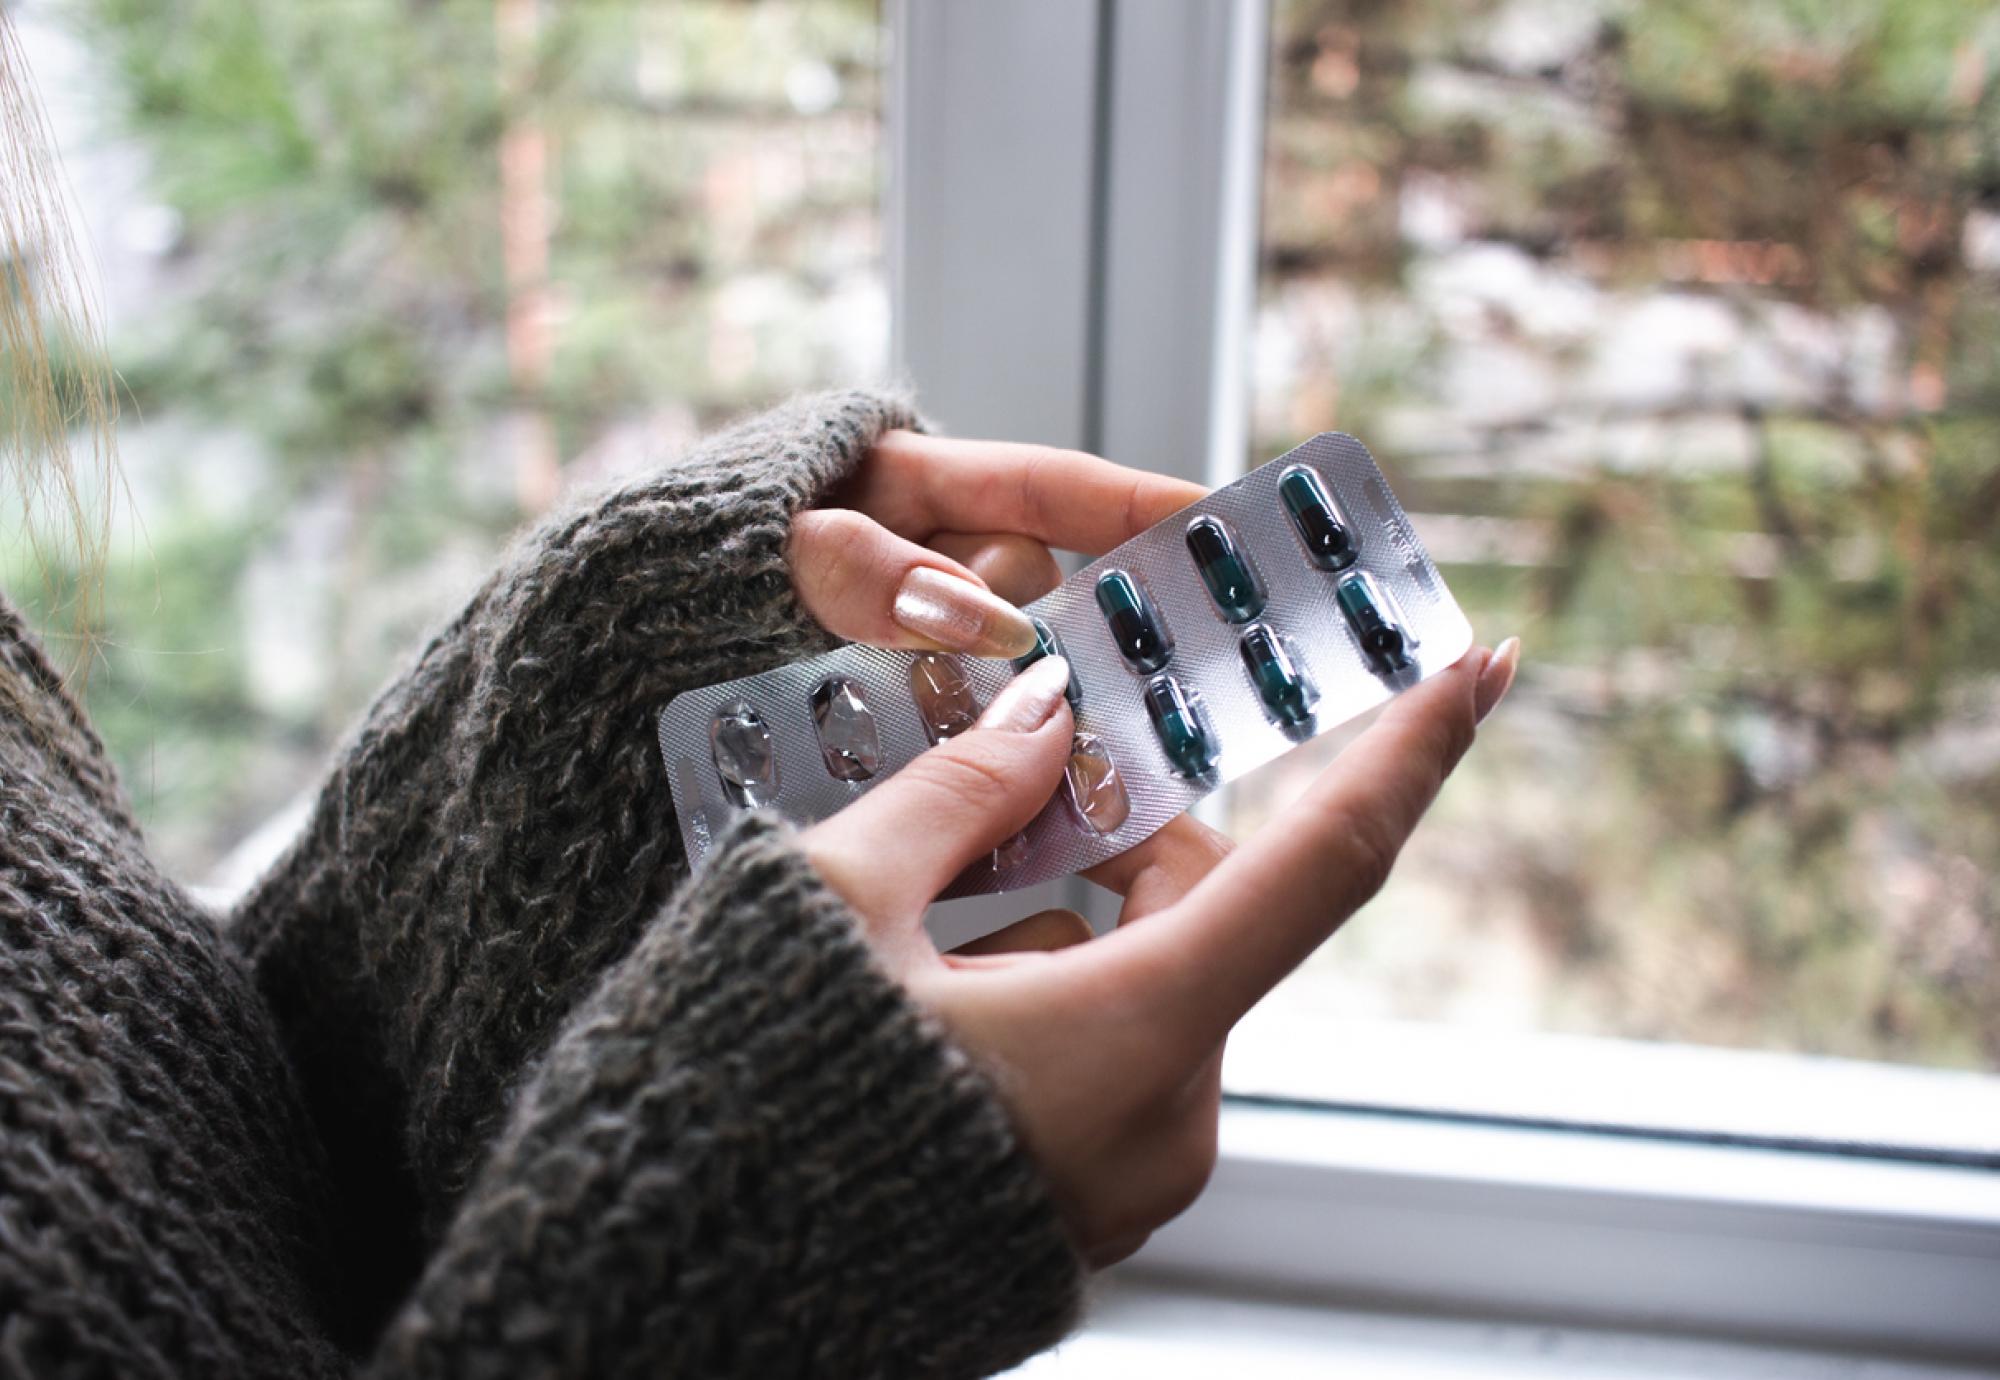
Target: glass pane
383, 280
1674, 324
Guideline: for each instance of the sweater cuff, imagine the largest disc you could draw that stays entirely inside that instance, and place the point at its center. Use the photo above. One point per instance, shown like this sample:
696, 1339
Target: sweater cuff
897, 1160
703, 538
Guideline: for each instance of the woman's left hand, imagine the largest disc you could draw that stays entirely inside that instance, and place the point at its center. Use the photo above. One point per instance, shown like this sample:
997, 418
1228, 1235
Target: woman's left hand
934, 542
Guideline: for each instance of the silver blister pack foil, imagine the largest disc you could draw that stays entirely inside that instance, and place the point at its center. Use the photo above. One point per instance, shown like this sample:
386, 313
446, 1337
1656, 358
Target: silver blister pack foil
1300, 607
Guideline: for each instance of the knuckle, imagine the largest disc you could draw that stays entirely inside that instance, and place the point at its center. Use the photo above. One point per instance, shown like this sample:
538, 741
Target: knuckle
1042, 473
1035, 468
1039, 457
966, 768
825, 543
827, 531
1212, 846
1135, 502
1452, 738
1371, 843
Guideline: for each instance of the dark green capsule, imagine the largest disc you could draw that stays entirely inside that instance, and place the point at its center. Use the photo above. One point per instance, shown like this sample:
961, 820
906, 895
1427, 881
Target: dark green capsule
1180, 730
1383, 637
1047, 644
1135, 623
1232, 584
1327, 537
1278, 681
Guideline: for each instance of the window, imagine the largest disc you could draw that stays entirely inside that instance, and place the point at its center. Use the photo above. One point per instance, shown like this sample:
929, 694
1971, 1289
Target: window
380, 279
1671, 324
1472, 1158
1578, 286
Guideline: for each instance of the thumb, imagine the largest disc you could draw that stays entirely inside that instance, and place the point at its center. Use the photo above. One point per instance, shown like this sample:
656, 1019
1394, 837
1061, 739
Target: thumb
864, 583
891, 852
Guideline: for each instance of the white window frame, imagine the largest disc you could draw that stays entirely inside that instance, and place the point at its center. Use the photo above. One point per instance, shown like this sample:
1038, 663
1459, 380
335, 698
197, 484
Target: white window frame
1072, 210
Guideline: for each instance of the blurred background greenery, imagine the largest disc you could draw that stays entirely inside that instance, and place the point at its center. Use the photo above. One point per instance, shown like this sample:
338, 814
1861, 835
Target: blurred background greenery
385, 276
1677, 324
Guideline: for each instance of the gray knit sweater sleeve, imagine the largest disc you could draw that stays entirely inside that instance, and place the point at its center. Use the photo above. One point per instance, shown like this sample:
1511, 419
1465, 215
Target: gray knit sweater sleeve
705, 1137
748, 1156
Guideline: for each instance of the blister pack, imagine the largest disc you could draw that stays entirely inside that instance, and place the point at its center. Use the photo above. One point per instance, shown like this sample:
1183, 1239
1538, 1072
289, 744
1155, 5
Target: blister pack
1273, 610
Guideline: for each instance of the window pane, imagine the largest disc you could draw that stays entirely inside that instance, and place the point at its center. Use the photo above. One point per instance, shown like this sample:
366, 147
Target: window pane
383, 278
1674, 325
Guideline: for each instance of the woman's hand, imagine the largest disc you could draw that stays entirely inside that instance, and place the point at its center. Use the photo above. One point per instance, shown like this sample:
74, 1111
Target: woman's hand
933, 543
1108, 1053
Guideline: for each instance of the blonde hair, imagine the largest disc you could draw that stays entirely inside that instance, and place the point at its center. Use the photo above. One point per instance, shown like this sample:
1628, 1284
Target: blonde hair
56, 384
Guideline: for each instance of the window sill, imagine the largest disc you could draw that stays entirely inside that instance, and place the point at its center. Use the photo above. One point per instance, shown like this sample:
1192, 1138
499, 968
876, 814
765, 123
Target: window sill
1164, 1332
1291, 1050
1781, 1246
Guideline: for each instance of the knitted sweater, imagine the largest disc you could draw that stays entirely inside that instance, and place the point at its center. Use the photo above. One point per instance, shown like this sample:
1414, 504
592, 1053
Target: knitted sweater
478, 1082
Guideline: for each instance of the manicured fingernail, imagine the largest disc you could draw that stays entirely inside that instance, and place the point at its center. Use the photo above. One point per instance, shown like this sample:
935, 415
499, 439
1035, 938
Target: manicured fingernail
1498, 675
959, 616
1025, 702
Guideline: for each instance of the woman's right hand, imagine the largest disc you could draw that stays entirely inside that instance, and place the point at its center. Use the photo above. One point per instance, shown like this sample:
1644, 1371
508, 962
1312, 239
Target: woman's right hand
1108, 1053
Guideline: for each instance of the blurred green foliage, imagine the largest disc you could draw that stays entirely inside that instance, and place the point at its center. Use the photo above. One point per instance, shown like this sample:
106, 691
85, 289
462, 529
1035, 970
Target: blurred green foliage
322, 412
1749, 791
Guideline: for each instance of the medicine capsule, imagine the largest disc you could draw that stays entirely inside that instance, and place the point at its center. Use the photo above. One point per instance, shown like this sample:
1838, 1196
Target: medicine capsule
848, 741
1135, 623
1232, 584
746, 758
1180, 730
1320, 526
1373, 618
1279, 684
1047, 644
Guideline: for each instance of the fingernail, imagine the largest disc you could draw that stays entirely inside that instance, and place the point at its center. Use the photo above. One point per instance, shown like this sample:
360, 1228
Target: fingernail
1025, 702
959, 616
1498, 675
